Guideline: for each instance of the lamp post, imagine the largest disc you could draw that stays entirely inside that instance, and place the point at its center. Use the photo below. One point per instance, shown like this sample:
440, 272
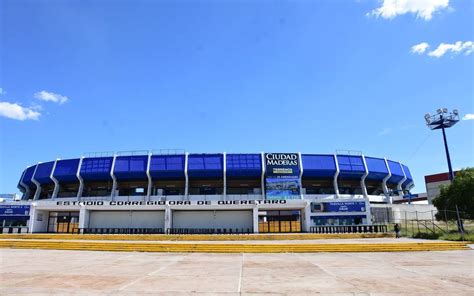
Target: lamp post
443, 120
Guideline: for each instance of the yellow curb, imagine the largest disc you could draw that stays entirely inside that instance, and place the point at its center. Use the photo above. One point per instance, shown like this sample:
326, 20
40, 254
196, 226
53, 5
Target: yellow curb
229, 248
195, 237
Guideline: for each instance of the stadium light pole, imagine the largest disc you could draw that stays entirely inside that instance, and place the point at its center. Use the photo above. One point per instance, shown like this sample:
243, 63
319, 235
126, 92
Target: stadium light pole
443, 120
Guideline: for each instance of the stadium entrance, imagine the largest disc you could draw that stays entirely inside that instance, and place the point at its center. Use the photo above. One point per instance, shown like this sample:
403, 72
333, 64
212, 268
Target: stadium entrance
63, 222
279, 221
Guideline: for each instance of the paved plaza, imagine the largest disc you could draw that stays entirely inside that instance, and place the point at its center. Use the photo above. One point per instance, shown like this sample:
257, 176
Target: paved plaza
87, 273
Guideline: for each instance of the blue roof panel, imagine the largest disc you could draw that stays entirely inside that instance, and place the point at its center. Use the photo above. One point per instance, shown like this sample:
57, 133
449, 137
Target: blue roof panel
408, 175
167, 166
131, 167
244, 165
396, 170
28, 175
350, 166
66, 170
96, 169
377, 168
205, 165
318, 166
43, 172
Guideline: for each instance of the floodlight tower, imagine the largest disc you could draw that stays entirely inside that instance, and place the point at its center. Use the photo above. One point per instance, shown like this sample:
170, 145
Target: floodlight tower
443, 120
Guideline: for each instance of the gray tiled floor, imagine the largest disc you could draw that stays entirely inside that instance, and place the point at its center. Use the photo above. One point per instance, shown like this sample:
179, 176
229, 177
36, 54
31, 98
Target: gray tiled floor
87, 273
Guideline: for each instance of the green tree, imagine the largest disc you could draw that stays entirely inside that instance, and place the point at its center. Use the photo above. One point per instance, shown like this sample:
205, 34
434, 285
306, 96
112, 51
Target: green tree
461, 193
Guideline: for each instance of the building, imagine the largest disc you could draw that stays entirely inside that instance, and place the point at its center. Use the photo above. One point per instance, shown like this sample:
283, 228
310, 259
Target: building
221, 192
433, 183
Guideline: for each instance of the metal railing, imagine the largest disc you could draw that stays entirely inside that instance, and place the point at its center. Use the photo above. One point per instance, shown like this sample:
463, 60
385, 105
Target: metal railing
349, 229
14, 229
119, 231
209, 231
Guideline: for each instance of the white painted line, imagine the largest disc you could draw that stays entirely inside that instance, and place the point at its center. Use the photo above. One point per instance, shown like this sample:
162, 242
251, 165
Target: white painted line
152, 273
131, 283
240, 274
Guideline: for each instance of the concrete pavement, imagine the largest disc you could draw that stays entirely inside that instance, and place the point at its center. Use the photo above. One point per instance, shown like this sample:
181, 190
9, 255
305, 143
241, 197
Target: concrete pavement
88, 273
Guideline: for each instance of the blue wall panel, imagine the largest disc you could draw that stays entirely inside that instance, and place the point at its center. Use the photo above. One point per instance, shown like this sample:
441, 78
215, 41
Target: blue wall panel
66, 170
205, 166
43, 172
408, 175
244, 165
131, 167
396, 170
96, 169
167, 167
350, 166
19, 186
318, 166
28, 175
377, 168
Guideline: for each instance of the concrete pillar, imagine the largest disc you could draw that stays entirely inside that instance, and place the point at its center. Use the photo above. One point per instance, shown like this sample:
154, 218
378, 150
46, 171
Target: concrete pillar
84, 217
336, 175
306, 216
38, 220
255, 218
31, 222
168, 218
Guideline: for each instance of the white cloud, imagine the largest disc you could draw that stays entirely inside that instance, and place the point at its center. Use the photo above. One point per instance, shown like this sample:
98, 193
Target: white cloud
385, 132
469, 116
456, 48
51, 97
422, 8
16, 111
419, 48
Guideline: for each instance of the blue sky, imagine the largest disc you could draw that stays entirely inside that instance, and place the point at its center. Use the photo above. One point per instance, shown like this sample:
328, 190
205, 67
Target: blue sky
239, 76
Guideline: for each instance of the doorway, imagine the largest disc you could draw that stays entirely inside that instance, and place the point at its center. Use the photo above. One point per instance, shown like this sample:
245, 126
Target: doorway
63, 222
280, 221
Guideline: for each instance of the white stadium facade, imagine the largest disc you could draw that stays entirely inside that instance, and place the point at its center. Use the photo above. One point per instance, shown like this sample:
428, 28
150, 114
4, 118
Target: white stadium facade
206, 193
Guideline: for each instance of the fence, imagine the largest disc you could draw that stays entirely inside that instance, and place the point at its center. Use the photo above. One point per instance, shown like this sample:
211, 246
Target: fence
209, 231
382, 228
119, 230
425, 224
14, 229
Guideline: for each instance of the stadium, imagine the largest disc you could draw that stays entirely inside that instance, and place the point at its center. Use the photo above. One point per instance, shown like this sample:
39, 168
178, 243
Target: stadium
145, 192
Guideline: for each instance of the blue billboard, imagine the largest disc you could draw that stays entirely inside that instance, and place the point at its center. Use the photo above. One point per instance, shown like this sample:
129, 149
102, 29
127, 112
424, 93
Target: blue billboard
282, 172
345, 206
338, 206
11, 211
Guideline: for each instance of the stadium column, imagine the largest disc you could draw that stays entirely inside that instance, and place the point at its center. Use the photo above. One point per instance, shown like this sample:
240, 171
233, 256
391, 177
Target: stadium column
38, 185
168, 218
410, 185
224, 164
384, 183
27, 188
78, 175
399, 185
150, 181
114, 180
301, 175
255, 218
84, 217
263, 175
38, 219
362, 180
307, 216
186, 178
336, 187
56, 183
368, 213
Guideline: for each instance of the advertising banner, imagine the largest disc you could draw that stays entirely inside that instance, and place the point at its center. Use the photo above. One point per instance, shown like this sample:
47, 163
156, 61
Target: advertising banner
14, 210
282, 172
339, 206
